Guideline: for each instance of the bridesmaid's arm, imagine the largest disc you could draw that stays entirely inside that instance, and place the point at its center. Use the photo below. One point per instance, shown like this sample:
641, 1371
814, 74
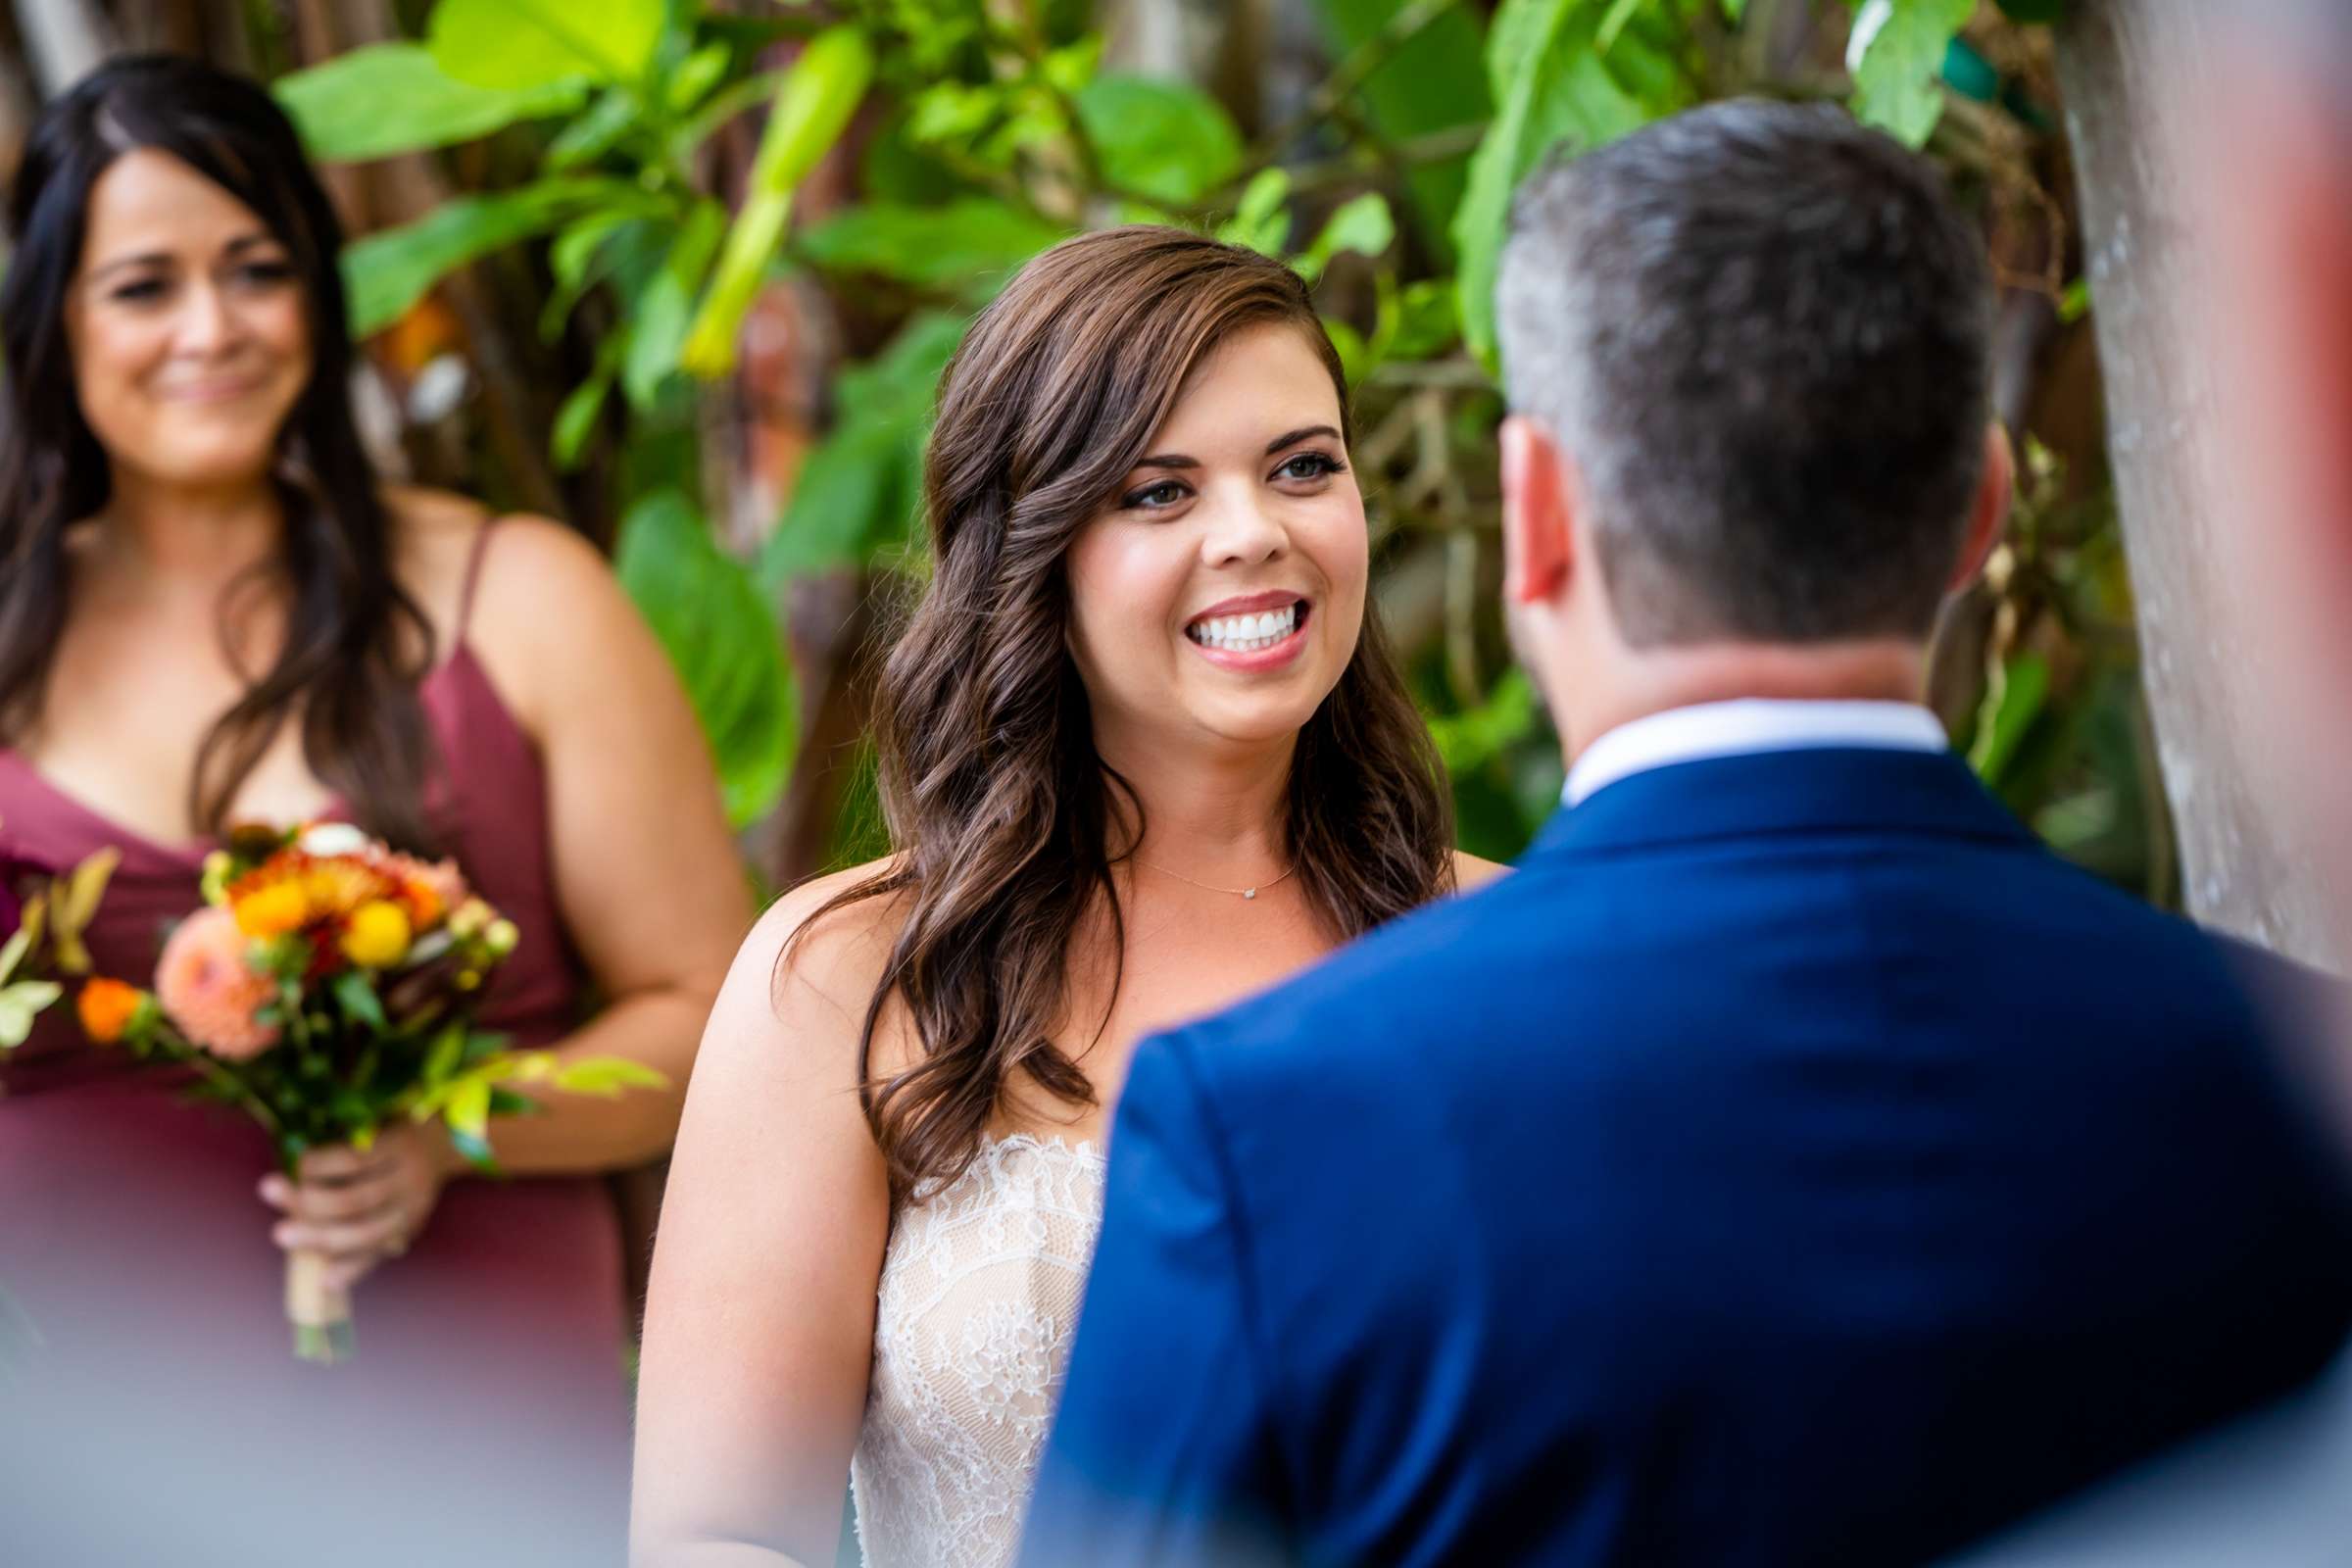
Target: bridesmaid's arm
760, 1321
651, 889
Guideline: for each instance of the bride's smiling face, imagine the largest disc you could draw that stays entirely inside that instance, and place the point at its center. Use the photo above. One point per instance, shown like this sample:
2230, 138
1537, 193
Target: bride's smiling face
1221, 592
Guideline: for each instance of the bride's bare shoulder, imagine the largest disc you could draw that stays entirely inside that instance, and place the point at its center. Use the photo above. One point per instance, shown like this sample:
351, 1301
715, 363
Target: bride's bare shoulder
1470, 873
826, 941
790, 1020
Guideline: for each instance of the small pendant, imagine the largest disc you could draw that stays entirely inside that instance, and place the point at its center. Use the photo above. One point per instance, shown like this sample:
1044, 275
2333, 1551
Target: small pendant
1248, 893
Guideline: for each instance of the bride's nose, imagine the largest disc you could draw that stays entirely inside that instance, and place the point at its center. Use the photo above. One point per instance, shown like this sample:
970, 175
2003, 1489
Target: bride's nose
1242, 533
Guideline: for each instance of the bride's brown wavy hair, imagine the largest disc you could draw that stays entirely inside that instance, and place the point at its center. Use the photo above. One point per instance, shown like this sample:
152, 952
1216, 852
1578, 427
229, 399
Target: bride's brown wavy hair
1000, 811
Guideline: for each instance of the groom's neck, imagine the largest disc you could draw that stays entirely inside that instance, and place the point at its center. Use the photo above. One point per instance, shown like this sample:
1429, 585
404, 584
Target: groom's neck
1658, 681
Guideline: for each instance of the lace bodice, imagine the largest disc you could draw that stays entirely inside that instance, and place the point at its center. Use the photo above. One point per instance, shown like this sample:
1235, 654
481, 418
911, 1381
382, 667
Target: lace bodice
979, 1299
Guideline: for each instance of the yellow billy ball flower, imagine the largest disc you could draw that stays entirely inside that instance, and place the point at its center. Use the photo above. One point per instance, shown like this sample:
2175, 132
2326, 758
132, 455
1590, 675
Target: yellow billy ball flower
500, 937
376, 936
218, 867
273, 909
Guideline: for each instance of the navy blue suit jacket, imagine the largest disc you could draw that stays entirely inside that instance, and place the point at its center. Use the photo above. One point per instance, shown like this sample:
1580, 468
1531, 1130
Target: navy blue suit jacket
1792, 1162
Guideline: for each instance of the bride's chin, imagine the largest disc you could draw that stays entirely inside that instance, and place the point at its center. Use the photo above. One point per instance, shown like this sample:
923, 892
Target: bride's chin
1256, 724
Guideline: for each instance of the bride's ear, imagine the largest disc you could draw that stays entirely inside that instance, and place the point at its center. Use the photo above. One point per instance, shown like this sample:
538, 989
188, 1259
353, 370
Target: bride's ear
1538, 503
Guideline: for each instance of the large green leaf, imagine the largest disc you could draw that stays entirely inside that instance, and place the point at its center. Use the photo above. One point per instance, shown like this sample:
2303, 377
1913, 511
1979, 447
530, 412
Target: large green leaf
1894, 52
859, 490
1363, 225
813, 109
664, 308
1161, 139
1431, 82
1553, 87
720, 634
386, 272
969, 246
531, 44
392, 98
1258, 220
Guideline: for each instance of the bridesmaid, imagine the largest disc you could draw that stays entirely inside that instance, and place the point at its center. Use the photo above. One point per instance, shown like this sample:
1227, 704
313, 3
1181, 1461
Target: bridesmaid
212, 610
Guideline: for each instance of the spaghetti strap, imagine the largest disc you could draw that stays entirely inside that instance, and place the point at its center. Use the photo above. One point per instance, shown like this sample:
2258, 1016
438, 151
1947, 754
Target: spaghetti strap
473, 576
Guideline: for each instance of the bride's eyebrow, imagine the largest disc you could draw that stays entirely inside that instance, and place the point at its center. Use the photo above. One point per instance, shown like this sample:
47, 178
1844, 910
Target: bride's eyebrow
1177, 460
1296, 437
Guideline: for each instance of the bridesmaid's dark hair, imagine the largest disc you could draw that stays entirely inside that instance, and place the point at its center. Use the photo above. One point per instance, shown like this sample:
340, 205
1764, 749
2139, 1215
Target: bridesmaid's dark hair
356, 643
999, 805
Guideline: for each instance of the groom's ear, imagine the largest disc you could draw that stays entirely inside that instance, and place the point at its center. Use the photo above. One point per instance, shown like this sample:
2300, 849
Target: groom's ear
1539, 504
1988, 513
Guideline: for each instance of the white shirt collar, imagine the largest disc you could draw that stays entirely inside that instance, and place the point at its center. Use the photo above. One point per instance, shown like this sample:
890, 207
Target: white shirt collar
1751, 724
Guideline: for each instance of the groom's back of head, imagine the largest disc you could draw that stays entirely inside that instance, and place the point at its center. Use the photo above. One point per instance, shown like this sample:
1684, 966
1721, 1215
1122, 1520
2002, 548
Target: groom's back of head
1760, 331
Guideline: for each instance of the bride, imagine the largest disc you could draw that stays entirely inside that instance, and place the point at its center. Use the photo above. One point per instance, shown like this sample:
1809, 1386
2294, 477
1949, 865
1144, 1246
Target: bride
1144, 753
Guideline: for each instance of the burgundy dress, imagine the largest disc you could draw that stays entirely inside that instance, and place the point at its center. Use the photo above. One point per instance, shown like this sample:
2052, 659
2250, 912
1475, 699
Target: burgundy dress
143, 1329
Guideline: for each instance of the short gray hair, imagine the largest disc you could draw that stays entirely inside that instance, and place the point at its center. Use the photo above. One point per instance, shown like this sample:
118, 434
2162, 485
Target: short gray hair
1762, 332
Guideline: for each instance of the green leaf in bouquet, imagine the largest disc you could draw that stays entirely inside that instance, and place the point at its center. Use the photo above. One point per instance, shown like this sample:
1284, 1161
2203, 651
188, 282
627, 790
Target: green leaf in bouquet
72, 903
482, 1044
477, 1151
444, 1056
1161, 139
467, 1108
356, 994
13, 951
524, 1066
507, 1102
387, 98
20, 1004
607, 1076
356, 1113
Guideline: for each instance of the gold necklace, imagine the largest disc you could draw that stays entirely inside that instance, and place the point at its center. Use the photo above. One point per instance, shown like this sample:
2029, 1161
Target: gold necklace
1237, 893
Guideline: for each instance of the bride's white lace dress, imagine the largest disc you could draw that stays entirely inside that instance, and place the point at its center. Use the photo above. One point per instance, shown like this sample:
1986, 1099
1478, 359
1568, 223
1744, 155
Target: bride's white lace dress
979, 1299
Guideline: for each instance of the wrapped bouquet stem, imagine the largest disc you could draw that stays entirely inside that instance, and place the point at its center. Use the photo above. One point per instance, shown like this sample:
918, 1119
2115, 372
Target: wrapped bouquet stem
319, 1310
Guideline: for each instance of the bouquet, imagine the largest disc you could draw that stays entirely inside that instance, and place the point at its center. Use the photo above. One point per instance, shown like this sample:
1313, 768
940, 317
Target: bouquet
327, 987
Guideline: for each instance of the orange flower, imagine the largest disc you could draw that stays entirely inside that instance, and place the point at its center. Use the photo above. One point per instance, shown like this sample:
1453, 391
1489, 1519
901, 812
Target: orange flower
292, 889
271, 909
431, 891
107, 1007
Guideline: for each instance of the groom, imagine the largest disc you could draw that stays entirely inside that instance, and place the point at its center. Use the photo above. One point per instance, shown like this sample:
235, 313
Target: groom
1792, 1162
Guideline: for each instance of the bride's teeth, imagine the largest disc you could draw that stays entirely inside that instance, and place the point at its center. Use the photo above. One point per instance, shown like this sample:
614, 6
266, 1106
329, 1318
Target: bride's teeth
1247, 633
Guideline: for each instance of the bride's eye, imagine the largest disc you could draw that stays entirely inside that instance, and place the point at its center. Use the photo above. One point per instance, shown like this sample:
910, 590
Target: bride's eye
1310, 466
1154, 496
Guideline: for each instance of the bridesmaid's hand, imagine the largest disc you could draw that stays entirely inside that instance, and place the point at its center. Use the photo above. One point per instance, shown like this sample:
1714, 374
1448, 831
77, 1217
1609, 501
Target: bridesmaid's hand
361, 1209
